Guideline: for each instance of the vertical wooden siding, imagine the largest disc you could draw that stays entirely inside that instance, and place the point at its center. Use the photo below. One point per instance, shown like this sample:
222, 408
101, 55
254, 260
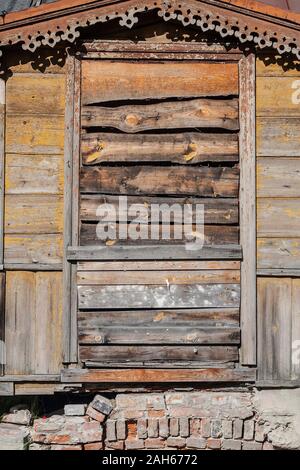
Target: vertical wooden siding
278, 223
33, 225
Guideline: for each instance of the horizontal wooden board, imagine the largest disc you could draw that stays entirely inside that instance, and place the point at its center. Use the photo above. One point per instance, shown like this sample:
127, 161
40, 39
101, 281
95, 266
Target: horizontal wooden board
111, 81
268, 67
173, 296
278, 218
186, 149
33, 214
153, 278
33, 249
159, 252
213, 235
278, 137
34, 174
277, 96
156, 265
6, 389
164, 376
216, 211
190, 114
203, 181
159, 335
278, 177
278, 253
33, 93
169, 354
35, 134
204, 317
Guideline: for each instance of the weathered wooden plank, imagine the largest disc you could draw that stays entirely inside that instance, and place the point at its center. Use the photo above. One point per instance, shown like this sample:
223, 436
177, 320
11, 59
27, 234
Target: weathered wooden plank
33, 301
101, 81
2, 324
34, 214
278, 218
186, 149
32, 93
277, 96
200, 181
295, 340
127, 266
2, 162
34, 174
179, 252
164, 296
203, 317
34, 134
278, 137
216, 211
161, 277
213, 234
280, 253
279, 67
248, 209
157, 335
279, 272
278, 177
129, 354
190, 114
274, 328
6, 389
152, 375
31, 378
33, 249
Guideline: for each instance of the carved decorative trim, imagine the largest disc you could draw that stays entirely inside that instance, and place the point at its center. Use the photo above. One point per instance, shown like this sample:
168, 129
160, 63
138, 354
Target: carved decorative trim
283, 36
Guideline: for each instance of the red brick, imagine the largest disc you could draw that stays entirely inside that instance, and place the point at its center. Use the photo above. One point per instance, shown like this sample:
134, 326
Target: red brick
96, 415
132, 429
195, 426
163, 427
205, 427
119, 445
152, 427
61, 447
93, 446
156, 413
132, 444
155, 443
142, 428
177, 442
195, 443
174, 427
214, 443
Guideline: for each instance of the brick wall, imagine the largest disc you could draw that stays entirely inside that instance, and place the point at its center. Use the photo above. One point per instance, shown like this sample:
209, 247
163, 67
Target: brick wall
227, 420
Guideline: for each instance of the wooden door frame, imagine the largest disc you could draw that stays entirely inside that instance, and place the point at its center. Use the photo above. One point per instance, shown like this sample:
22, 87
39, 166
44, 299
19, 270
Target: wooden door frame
125, 50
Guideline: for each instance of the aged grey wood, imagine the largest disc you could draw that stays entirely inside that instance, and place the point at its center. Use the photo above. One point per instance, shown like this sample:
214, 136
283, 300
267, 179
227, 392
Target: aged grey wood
127, 266
248, 209
278, 218
295, 340
31, 378
279, 272
2, 324
158, 277
6, 389
177, 233
173, 296
152, 375
176, 252
278, 137
159, 335
174, 115
278, 177
196, 317
129, 354
154, 180
274, 329
278, 253
188, 148
2, 164
216, 210
68, 186
33, 267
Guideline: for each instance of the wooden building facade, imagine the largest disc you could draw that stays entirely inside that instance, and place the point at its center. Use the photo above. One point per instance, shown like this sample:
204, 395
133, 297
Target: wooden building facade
162, 103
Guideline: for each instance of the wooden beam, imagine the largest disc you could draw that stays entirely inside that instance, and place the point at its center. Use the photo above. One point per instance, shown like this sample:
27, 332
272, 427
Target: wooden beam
155, 376
2, 324
248, 209
6, 389
2, 164
279, 272
159, 252
31, 378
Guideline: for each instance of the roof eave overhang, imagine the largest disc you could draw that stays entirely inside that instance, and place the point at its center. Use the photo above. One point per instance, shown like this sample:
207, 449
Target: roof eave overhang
62, 21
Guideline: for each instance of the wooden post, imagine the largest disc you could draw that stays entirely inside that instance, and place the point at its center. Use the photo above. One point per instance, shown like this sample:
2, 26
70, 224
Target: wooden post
248, 210
2, 169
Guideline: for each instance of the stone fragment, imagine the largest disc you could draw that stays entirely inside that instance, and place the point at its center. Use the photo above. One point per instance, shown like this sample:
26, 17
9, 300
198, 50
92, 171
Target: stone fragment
21, 417
13, 437
102, 404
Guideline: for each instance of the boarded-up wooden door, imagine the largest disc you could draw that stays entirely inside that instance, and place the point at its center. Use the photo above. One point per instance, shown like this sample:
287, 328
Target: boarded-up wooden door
160, 133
